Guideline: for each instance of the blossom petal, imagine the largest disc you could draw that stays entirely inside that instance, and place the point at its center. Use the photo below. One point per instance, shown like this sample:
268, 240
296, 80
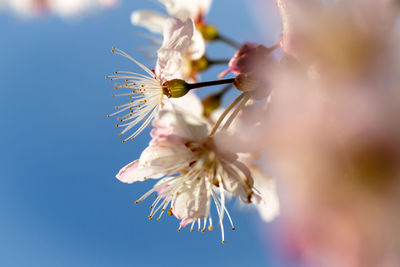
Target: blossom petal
177, 38
134, 173
192, 204
189, 103
150, 20
184, 9
187, 126
237, 180
197, 47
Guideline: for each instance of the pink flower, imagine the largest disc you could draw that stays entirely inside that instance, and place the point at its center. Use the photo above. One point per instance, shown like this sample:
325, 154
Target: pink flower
249, 59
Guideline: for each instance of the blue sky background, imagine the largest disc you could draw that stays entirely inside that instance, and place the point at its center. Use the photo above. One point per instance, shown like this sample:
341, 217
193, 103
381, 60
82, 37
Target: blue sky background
60, 204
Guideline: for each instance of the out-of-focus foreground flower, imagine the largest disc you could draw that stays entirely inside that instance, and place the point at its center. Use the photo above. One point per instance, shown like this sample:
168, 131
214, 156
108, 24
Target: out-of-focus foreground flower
63, 8
332, 131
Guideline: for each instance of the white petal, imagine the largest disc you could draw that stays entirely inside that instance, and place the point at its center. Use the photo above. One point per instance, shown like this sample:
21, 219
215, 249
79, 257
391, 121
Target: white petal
190, 103
192, 203
269, 206
187, 126
177, 37
184, 9
152, 21
197, 47
237, 180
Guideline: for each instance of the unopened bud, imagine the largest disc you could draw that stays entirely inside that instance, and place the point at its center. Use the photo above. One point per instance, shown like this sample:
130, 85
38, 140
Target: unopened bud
258, 87
210, 104
209, 32
175, 88
245, 83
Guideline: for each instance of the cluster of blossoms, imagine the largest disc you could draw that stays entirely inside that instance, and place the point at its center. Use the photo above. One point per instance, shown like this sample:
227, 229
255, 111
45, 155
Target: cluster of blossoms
63, 8
319, 108
194, 171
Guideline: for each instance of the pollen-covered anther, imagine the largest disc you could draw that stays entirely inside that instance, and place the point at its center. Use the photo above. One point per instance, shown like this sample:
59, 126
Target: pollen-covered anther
169, 212
210, 228
150, 217
233, 228
203, 230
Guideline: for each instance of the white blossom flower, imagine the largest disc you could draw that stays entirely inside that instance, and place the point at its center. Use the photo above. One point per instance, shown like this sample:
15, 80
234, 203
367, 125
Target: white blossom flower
148, 94
63, 8
155, 22
196, 173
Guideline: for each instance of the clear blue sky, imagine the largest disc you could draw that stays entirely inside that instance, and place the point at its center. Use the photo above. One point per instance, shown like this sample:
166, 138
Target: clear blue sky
60, 202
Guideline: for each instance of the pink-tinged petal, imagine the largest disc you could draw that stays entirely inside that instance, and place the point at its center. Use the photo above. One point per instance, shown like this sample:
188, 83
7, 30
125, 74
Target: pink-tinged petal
168, 156
150, 20
187, 126
134, 173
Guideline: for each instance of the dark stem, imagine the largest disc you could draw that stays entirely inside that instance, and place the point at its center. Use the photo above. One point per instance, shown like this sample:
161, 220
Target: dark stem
190, 86
218, 61
229, 42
